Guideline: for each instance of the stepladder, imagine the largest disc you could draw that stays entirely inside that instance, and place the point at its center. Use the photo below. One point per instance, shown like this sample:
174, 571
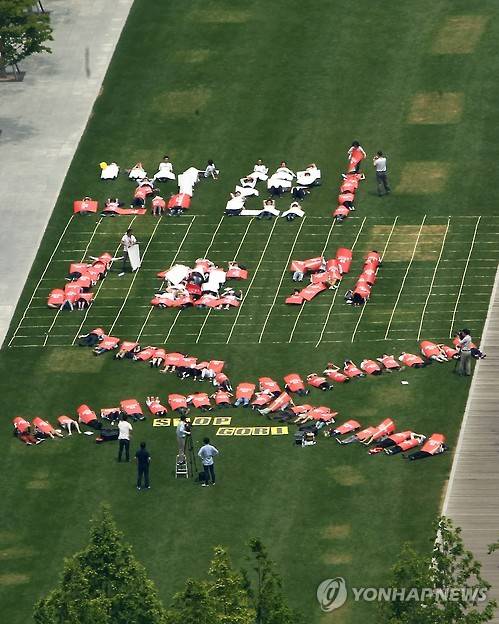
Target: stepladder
181, 469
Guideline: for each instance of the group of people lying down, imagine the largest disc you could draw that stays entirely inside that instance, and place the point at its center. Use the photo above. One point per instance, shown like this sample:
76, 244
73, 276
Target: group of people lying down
323, 274
146, 187
82, 276
350, 182
202, 286
281, 181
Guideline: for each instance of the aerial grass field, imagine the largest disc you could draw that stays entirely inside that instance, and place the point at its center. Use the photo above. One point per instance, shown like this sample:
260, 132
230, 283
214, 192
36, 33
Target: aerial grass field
237, 81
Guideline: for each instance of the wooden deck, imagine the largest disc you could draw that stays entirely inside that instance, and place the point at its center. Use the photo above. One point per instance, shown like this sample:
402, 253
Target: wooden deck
472, 497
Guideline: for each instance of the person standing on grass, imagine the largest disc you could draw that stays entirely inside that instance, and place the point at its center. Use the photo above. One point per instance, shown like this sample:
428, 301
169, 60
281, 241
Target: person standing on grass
379, 162
143, 459
464, 362
125, 428
127, 240
207, 452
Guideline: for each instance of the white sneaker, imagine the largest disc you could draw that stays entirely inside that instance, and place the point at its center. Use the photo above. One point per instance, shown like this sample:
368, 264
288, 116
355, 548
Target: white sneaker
204, 485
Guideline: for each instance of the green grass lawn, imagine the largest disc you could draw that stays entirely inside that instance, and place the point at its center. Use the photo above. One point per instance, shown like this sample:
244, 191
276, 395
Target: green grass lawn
235, 82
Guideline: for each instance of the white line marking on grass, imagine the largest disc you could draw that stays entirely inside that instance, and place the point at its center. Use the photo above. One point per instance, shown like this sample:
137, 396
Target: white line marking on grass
40, 280
75, 337
134, 277
433, 279
280, 281
85, 251
336, 291
213, 237
404, 278
382, 256
302, 307
233, 260
464, 276
151, 308
252, 281
205, 255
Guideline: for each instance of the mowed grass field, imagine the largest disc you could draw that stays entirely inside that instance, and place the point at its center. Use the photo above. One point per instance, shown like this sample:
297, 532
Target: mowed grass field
235, 82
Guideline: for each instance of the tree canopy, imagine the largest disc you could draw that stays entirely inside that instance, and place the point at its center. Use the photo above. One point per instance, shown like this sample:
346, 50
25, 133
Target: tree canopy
446, 581
23, 32
102, 584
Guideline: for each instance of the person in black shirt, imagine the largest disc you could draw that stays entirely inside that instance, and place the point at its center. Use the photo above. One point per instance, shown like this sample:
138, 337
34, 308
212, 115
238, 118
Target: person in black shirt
143, 460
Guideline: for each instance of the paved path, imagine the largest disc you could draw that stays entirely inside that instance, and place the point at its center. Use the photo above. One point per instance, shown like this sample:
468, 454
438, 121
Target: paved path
472, 498
42, 120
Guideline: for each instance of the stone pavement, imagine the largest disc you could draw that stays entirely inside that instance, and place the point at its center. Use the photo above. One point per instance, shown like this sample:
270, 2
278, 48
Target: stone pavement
472, 497
41, 122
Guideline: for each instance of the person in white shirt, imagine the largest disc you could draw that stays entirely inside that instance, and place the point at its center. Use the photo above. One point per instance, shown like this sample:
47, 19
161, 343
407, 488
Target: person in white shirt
464, 362
207, 452
379, 162
260, 171
125, 429
165, 171
127, 240
211, 170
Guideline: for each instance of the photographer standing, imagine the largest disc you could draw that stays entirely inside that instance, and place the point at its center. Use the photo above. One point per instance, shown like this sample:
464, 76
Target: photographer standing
464, 363
183, 430
207, 452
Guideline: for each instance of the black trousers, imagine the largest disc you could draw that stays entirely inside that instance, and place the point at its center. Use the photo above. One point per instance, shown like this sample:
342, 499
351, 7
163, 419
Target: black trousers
143, 472
209, 471
124, 444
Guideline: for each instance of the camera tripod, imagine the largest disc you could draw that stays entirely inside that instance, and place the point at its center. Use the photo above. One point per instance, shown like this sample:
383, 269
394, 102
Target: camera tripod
191, 456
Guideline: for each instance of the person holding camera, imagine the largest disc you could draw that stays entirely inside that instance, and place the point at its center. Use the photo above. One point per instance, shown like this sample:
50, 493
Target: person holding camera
183, 430
207, 452
464, 346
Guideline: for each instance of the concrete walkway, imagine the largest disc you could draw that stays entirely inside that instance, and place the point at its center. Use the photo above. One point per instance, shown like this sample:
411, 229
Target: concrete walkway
41, 122
472, 497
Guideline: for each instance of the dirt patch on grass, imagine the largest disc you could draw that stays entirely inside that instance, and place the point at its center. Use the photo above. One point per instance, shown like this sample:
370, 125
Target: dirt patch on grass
337, 531
192, 56
16, 552
66, 361
459, 34
436, 108
337, 558
38, 484
220, 16
183, 102
404, 238
8, 536
13, 579
423, 177
347, 476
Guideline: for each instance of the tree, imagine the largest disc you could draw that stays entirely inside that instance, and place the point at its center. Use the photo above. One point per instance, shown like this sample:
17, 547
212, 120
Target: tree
102, 584
268, 598
441, 587
194, 605
229, 592
23, 32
